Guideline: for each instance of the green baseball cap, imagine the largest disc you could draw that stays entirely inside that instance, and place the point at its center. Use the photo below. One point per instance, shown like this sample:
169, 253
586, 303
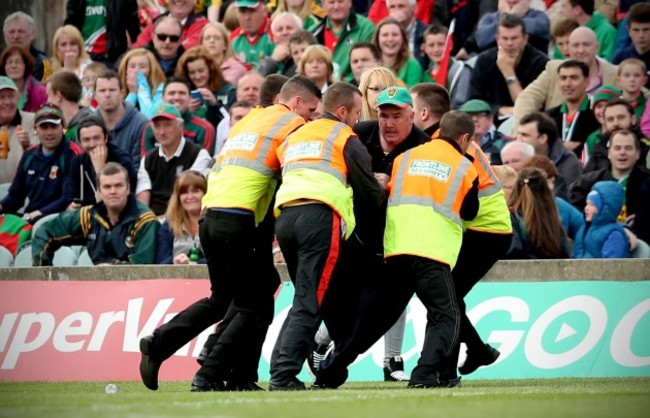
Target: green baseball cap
605, 92
49, 113
7, 83
395, 96
251, 4
475, 106
167, 111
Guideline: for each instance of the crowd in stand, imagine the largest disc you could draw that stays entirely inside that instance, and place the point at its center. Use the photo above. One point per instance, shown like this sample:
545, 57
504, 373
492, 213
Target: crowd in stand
156, 85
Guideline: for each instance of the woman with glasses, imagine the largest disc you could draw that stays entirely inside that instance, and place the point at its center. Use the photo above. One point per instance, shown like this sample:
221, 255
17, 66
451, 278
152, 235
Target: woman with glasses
391, 40
371, 83
216, 38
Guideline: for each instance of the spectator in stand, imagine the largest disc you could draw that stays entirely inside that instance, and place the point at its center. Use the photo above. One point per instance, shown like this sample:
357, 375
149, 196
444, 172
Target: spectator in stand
68, 52
618, 114
270, 89
17, 64
309, 11
284, 25
561, 32
19, 29
178, 236
88, 83
116, 230
502, 72
515, 154
299, 42
632, 76
124, 123
104, 26
599, 100
639, 30
166, 44
64, 90
574, 115
623, 155
507, 176
540, 131
339, 30
43, 170
181, 11
430, 103
486, 135
373, 81
602, 236
583, 12
252, 41
97, 152
316, 65
391, 40
195, 129
17, 125
404, 12
142, 79
197, 66
238, 110
544, 93
160, 167
216, 38
536, 225
363, 55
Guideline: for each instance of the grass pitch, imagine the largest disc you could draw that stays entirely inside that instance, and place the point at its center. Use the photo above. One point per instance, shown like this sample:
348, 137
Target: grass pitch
476, 399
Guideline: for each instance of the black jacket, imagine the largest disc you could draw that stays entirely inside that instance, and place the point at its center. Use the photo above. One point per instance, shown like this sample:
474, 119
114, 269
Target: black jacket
121, 17
586, 123
598, 157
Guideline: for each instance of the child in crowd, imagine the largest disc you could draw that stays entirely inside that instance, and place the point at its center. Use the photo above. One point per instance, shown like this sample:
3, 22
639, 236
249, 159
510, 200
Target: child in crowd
88, 82
560, 33
632, 77
298, 42
602, 236
507, 176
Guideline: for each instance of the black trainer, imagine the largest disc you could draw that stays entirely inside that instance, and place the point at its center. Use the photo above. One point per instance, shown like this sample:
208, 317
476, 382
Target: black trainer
149, 367
394, 372
317, 355
292, 384
199, 384
476, 359
243, 387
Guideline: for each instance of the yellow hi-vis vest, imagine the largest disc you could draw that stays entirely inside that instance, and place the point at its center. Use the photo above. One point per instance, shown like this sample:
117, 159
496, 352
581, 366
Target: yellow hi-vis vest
244, 175
493, 214
313, 168
427, 188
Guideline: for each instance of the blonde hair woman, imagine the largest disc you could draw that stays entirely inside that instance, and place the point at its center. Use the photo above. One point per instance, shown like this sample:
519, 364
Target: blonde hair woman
316, 65
216, 38
68, 51
371, 83
143, 62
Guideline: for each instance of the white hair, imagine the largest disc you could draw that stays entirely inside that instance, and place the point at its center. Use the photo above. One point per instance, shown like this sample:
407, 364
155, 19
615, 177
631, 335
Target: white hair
19, 16
410, 3
524, 147
296, 19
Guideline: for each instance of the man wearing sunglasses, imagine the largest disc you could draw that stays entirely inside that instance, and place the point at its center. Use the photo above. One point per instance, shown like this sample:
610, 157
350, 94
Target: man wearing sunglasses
183, 12
166, 43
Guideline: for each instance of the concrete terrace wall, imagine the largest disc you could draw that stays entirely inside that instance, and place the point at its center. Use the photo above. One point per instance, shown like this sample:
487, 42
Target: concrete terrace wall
503, 271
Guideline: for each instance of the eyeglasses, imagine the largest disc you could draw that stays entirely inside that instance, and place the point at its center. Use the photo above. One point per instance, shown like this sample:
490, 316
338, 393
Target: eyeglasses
375, 89
163, 37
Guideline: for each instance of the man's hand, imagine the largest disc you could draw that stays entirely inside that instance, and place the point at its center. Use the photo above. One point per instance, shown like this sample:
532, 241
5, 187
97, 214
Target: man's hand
280, 53
181, 259
382, 179
506, 63
98, 156
73, 206
22, 136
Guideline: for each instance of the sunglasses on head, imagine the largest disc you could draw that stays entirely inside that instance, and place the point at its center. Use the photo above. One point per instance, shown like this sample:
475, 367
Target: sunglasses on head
163, 37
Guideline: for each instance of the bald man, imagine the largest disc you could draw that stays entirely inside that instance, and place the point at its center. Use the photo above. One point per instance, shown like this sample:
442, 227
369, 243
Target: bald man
544, 93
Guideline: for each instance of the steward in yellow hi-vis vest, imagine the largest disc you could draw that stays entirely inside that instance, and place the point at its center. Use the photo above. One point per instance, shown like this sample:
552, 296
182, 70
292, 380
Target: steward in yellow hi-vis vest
433, 188
324, 166
486, 240
236, 238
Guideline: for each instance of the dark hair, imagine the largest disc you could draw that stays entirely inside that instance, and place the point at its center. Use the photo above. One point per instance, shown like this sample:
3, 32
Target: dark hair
510, 21
545, 125
639, 13
107, 75
91, 120
301, 36
177, 79
455, 124
619, 102
637, 142
299, 85
271, 87
434, 97
564, 27
404, 53
435, 29
24, 54
575, 64
586, 5
68, 84
339, 94
110, 169
374, 50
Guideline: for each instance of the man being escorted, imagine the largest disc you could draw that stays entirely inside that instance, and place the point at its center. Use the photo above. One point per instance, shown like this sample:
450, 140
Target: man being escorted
117, 230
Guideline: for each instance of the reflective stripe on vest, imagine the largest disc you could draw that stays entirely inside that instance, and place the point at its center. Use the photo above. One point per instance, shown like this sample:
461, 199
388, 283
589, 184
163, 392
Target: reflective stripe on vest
321, 165
446, 208
489, 183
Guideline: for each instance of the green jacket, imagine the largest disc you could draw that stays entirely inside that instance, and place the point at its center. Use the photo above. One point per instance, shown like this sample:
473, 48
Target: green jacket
410, 73
356, 29
131, 241
605, 33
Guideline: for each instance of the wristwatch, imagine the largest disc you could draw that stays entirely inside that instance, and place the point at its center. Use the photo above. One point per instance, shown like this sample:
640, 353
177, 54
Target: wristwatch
511, 80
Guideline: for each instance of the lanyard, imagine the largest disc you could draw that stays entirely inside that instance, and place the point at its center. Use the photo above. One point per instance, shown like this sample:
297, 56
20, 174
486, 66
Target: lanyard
567, 131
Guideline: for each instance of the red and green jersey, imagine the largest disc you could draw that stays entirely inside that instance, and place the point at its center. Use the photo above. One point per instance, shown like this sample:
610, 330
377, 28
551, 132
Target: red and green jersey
94, 27
14, 232
253, 49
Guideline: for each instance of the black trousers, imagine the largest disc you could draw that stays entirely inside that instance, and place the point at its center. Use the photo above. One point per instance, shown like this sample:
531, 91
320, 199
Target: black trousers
227, 240
310, 239
238, 340
478, 253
